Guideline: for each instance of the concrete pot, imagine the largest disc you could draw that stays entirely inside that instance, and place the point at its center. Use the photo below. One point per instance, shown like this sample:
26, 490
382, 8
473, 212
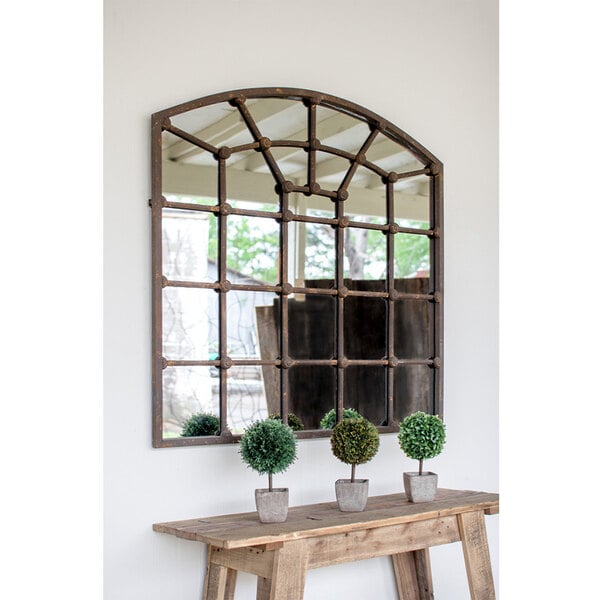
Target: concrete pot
420, 488
272, 506
352, 495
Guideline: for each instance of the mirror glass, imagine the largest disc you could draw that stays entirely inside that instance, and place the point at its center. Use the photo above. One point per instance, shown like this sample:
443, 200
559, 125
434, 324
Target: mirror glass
292, 260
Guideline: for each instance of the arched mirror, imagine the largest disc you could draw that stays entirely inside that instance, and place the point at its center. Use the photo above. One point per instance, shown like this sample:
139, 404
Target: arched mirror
297, 265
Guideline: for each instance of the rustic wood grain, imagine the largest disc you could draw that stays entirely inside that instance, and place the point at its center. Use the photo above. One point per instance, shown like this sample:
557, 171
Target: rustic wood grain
319, 535
244, 529
381, 541
289, 571
412, 571
216, 580
477, 556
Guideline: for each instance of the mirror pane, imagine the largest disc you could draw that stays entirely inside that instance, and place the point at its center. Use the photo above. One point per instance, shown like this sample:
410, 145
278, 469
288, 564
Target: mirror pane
292, 162
413, 335
340, 130
330, 170
248, 179
413, 390
411, 202
252, 250
280, 118
312, 253
312, 326
189, 245
311, 393
392, 156
365, 325
365, 390
244, 309
182, 180
366, 201
365, 254
188, 391
190, 324
411, 255
247, 396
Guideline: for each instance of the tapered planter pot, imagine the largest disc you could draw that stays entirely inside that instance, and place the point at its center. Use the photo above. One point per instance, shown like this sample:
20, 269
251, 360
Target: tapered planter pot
352, 495
420, 488
272, 506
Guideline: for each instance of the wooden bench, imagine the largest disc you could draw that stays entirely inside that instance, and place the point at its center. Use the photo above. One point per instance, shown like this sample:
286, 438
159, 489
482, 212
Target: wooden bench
318, 535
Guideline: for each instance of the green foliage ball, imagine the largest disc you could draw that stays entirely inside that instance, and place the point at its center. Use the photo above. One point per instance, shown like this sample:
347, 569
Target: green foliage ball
268, 446
293, 421
328, 420
201, 424
355, 441
422, 436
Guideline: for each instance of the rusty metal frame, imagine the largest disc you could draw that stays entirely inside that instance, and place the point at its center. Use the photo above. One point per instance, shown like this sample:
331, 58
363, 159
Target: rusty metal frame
433, 168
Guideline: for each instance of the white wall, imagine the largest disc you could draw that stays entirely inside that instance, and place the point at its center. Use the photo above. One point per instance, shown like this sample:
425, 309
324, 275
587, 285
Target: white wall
431, 68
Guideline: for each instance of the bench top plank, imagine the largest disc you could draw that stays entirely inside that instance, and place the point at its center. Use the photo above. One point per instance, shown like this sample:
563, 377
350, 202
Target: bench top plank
315, 520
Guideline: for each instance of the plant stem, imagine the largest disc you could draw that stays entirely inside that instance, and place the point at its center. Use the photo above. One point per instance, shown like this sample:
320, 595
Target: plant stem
420, 466
353, 472
270, 482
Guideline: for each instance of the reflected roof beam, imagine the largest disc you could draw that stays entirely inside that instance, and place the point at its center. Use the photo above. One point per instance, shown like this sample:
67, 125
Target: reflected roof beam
224, 129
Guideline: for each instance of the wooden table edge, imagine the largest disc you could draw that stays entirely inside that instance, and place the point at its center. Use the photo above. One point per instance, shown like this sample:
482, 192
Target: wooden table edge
489, 507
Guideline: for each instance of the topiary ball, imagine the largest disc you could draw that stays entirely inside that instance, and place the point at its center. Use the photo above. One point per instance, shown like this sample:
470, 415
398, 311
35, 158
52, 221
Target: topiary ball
328, 420
268, 446
355, 441
293, 421
422, 436
201, 424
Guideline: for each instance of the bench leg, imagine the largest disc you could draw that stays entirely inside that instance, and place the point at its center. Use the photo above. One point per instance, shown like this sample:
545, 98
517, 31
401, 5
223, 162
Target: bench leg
413, 575
473, 535
219, 582
288, 575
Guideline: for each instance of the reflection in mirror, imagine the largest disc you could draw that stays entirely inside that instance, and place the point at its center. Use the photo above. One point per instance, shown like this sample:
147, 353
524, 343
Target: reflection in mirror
190, 323
259, 188
252, 249
366, 204
364, 388
365, 326
246, 397
411, 256
311, 319
411, 202
189, 244
412, 318
364, 254
313, 246
414, 388
312, 393
187, 390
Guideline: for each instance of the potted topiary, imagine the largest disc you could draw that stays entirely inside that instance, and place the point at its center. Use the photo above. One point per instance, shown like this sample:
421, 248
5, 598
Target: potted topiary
201, 424
354, 441
293, 421
269, 447
328, 420
421, 437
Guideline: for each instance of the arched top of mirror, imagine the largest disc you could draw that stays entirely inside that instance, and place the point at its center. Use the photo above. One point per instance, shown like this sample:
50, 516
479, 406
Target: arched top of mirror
297, 263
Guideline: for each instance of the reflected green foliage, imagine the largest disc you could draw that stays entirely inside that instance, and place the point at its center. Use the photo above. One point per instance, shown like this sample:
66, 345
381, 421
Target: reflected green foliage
293, 421
201, 424
252, 245
328, 420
